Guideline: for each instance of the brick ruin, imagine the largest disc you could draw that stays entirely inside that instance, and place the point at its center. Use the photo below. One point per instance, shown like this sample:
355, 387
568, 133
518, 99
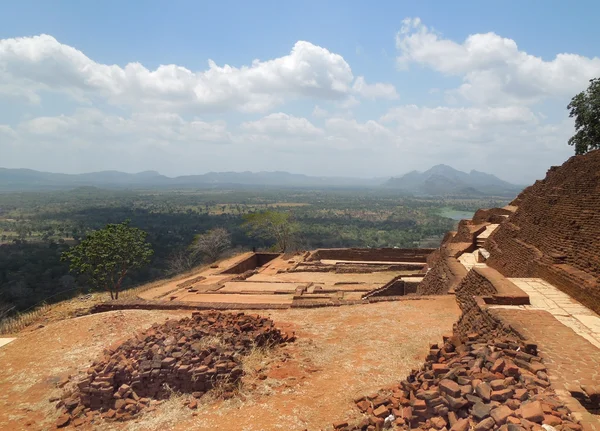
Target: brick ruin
555, 232
487, 375
318, 278
371, 254
488, 381
192, 355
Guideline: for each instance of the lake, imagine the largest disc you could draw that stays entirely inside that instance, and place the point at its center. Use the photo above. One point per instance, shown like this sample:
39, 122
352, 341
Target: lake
455, 214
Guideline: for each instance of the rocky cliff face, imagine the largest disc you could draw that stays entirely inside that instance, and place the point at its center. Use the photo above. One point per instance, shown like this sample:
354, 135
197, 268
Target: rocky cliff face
555, 232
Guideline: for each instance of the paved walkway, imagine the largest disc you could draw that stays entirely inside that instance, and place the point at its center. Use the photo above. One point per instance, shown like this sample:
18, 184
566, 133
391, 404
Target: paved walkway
5, 341
469, 260
544, 296
488, 231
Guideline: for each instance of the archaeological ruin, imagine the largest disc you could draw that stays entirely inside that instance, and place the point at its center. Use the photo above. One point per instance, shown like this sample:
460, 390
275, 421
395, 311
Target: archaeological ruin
523, 354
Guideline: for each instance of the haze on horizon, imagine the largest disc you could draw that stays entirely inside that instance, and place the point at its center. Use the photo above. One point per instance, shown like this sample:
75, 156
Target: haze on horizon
334, 89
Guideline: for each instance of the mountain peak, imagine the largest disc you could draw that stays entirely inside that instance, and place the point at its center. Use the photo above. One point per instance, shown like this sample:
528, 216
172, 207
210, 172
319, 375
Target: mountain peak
445, 180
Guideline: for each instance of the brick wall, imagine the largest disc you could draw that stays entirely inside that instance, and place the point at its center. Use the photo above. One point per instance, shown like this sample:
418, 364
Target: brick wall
491, 215
445, 272
475, 317
373, 254
253, 261
467, 231
555, 232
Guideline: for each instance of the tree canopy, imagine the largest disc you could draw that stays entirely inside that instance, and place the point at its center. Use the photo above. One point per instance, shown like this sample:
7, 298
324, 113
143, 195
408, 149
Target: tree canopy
106, 255
211, 244
272, 225
585, 107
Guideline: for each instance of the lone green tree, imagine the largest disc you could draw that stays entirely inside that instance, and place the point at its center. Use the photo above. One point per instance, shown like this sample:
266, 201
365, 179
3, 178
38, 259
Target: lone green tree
272, 226
585, 107
108, 254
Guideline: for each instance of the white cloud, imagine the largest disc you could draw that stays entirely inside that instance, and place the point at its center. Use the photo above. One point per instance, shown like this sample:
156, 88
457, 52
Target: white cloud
442, 117
91, 127
374, 91
348, 103
493, 69
162, 121
512, 142
280, 124
319, 112
36, 63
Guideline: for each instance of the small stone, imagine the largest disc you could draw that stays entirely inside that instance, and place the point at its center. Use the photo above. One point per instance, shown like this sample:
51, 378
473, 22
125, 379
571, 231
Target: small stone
500, 414
498, 366
450, 387
532, 411
381, 411
460, 425
484, 390
78, 422
63, 421
109, 414
520, 394
498, 384
481, 411
438, 422
552, 420
339, 425
485, 425
502, 395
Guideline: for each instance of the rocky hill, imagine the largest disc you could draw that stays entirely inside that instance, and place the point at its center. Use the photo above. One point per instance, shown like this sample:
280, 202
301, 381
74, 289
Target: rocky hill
445, 180
550, 231
28, 179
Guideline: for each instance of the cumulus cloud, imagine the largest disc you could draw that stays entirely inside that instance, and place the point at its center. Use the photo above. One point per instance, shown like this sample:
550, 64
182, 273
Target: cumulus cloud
493, 69
374, 91
30, 64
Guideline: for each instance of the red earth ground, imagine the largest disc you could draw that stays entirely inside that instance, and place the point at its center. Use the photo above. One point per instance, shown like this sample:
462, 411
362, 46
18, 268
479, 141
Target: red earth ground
340, 353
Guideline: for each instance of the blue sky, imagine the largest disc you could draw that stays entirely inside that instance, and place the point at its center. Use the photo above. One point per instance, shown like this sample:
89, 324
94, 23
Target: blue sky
368, 90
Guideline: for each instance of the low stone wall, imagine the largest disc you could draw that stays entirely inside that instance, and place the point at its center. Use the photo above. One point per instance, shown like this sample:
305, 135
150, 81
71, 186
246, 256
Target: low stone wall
253, 261
373, 254
445, 274
483, 286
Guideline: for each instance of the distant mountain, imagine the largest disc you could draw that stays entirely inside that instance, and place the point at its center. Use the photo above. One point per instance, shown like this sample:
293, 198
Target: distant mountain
443, 180
28, 179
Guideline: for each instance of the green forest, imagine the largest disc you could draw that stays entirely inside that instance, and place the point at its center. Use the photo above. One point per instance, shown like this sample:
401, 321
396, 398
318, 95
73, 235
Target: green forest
37, 227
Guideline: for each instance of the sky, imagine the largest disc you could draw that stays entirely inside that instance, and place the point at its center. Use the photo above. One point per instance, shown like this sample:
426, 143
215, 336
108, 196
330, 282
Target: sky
329, 88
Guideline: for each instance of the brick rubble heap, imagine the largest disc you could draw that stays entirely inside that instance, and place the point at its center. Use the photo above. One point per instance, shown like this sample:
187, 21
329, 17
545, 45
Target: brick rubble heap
191, 355
482, 384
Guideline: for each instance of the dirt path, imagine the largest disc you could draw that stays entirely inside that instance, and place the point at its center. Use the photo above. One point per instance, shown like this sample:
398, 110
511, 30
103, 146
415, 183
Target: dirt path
340, 353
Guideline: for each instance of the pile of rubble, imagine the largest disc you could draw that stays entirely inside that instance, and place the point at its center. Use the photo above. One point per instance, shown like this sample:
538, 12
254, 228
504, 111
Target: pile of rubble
481, 384
192, 355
